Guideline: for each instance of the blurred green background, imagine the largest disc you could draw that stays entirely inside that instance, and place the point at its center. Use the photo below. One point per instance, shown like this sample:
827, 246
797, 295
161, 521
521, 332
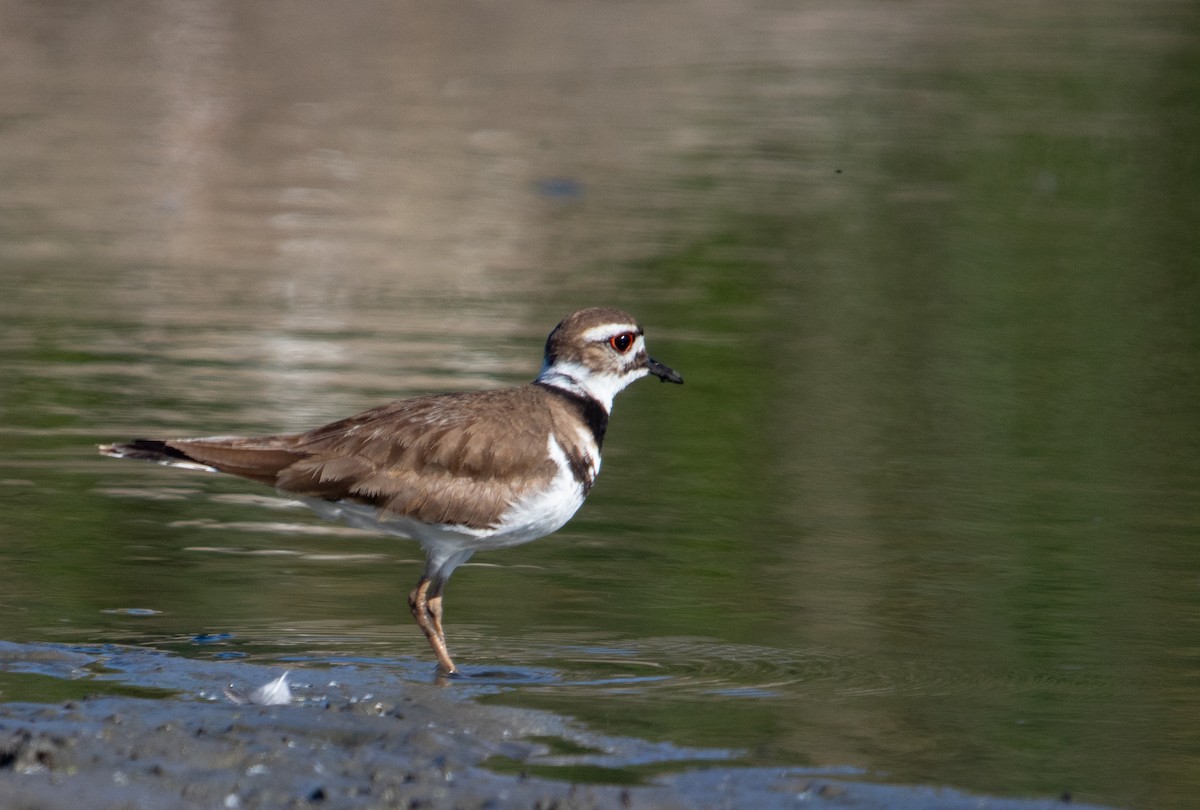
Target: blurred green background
929, 502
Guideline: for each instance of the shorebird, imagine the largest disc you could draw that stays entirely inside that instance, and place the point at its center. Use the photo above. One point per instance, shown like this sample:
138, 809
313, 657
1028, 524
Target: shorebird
460, 472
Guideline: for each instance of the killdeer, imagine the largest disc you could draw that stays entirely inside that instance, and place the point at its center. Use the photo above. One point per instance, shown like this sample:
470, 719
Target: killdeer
460, 473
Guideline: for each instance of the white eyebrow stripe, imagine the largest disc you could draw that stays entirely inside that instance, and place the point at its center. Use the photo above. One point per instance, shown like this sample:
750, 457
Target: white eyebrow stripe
601, 332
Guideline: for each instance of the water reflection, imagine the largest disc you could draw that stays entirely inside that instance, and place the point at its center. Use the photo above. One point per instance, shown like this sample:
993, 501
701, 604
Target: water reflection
927, 504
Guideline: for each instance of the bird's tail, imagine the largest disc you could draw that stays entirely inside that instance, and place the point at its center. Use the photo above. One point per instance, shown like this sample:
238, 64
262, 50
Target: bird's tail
151, 450
259, 459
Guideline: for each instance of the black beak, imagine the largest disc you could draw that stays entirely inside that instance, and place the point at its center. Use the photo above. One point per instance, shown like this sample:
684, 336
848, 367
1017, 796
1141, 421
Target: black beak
662, 372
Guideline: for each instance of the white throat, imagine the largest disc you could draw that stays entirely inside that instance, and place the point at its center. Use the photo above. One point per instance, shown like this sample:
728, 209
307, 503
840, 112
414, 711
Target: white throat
579, 379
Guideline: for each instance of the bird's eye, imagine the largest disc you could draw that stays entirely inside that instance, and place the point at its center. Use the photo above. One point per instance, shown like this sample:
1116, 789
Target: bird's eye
621, 342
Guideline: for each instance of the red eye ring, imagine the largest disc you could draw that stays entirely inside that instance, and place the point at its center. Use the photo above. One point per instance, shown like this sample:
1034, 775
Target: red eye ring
621, 342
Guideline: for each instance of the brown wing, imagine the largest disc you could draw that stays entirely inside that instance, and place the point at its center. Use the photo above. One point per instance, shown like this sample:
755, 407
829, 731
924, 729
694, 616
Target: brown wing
458, 458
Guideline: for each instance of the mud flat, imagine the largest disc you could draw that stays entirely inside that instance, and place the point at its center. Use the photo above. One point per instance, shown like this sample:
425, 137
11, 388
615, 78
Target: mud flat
153, 730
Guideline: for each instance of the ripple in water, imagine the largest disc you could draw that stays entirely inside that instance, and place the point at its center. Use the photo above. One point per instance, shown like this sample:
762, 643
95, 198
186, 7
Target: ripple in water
708, 668
682, 667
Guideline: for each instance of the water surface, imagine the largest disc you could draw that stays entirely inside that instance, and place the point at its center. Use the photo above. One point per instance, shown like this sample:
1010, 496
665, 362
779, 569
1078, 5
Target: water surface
928, 503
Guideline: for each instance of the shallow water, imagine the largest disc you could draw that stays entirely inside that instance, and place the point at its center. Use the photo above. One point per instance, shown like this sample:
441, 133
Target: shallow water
928, 503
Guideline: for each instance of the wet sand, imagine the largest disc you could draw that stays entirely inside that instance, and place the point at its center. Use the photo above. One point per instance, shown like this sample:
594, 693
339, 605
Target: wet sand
355, 737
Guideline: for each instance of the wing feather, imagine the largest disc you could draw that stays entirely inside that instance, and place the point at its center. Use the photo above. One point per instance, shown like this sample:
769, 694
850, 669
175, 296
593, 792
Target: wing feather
460, 458
456, 458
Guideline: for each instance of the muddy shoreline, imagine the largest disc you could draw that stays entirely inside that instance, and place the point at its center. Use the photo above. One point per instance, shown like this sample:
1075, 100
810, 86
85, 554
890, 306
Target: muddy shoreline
153, 730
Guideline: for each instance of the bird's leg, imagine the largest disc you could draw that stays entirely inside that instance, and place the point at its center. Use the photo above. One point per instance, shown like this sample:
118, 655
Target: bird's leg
435, 607
428, 615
